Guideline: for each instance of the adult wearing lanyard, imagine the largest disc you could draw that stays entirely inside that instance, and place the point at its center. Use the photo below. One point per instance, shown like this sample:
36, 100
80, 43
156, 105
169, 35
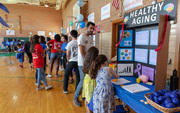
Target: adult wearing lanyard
84, 43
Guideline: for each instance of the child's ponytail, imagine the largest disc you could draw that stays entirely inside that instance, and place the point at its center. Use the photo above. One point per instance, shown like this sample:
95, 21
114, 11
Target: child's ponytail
96, 65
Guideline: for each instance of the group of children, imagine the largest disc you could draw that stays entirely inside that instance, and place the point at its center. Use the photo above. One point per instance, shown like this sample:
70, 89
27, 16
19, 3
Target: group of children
97, 87
10, 44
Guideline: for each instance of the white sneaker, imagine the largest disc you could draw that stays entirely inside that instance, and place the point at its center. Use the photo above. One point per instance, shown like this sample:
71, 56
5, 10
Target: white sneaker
62, 69
37, 89
49, 87
49, 76
65, 92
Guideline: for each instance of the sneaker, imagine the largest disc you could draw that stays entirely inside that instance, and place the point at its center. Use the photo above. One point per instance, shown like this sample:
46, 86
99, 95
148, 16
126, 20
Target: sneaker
62, 69
49, 87
57, 75
49, 76
65, 92
37, 89
71, 81
76, 102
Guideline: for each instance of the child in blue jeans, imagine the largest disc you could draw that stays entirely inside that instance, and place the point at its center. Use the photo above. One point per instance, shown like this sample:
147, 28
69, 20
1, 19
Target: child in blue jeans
21, 54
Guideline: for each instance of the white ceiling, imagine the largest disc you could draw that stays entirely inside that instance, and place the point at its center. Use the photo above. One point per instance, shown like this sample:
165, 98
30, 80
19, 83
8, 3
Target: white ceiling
51, 3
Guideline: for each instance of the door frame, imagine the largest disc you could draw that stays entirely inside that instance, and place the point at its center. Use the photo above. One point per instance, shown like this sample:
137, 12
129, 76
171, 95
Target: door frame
114, 36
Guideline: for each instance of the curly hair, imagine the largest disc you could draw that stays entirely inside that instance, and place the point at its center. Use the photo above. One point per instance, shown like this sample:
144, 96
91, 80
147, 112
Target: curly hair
91, 55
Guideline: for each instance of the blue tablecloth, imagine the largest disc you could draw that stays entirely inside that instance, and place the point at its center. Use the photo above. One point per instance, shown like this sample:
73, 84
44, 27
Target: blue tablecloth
133, 100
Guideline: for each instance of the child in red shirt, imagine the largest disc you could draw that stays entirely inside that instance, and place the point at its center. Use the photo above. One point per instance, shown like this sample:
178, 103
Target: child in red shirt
38, 61
56, 52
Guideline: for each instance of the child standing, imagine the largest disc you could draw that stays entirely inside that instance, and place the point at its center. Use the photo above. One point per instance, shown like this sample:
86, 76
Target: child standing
89, 81
38, 61
72, 52
103, 96
21, 54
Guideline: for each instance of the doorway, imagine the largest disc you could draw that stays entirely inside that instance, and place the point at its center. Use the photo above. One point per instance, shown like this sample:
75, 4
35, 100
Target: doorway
115, 36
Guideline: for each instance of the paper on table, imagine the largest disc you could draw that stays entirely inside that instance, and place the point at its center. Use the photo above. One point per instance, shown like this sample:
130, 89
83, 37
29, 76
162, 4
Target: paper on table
135, 88
141, 55
142, 38
152, 57
121, 81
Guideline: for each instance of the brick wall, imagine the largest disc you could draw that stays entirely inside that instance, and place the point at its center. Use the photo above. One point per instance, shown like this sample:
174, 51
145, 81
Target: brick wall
33, 19
105, 25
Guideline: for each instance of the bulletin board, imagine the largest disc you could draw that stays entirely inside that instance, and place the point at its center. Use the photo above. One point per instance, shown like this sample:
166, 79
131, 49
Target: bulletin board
136, 52
150, 28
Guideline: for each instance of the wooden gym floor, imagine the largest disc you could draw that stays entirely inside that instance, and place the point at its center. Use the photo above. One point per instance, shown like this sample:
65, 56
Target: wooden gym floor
18, 90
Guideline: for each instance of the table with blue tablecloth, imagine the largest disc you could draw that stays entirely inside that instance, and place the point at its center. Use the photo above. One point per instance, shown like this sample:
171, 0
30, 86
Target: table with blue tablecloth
133, 100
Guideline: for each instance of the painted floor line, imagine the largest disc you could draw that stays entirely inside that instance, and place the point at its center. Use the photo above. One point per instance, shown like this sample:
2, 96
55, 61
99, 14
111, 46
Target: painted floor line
30, 78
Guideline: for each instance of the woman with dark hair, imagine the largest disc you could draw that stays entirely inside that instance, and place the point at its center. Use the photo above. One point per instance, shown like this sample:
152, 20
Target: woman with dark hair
27, 50
38, 61
43, 44
49, 49
55, 53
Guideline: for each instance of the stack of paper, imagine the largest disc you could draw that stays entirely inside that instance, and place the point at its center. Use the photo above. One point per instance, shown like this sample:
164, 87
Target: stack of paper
135, 88
121, 81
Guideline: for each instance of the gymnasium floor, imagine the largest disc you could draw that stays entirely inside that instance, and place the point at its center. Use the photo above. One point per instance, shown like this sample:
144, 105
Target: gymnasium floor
18, 91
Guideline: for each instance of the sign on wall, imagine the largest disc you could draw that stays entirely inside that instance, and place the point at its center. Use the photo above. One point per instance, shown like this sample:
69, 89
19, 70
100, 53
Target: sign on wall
91, 18
150, 14
130, 4
10, 32
41, 33
105, 12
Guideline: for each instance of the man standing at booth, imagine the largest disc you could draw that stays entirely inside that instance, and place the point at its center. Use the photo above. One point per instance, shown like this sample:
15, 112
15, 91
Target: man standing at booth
84, 43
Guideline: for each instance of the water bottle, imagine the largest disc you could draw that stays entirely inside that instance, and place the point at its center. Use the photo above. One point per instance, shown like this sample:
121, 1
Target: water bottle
174, 83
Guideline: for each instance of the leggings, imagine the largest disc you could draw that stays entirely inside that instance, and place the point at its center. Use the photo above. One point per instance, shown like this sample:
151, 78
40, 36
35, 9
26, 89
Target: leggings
29, 56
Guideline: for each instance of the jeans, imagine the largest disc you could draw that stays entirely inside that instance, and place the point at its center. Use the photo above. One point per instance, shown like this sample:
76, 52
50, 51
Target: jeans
64, 61
80, 85
41, 76
68, 71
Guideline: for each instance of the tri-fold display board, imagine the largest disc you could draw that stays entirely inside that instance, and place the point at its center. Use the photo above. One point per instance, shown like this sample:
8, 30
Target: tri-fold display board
143, 33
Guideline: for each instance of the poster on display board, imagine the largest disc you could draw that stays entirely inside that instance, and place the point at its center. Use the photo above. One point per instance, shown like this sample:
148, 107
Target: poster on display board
105, 12
125, 54
150, 14
125, 69
91, 18
127, 39
130, 4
